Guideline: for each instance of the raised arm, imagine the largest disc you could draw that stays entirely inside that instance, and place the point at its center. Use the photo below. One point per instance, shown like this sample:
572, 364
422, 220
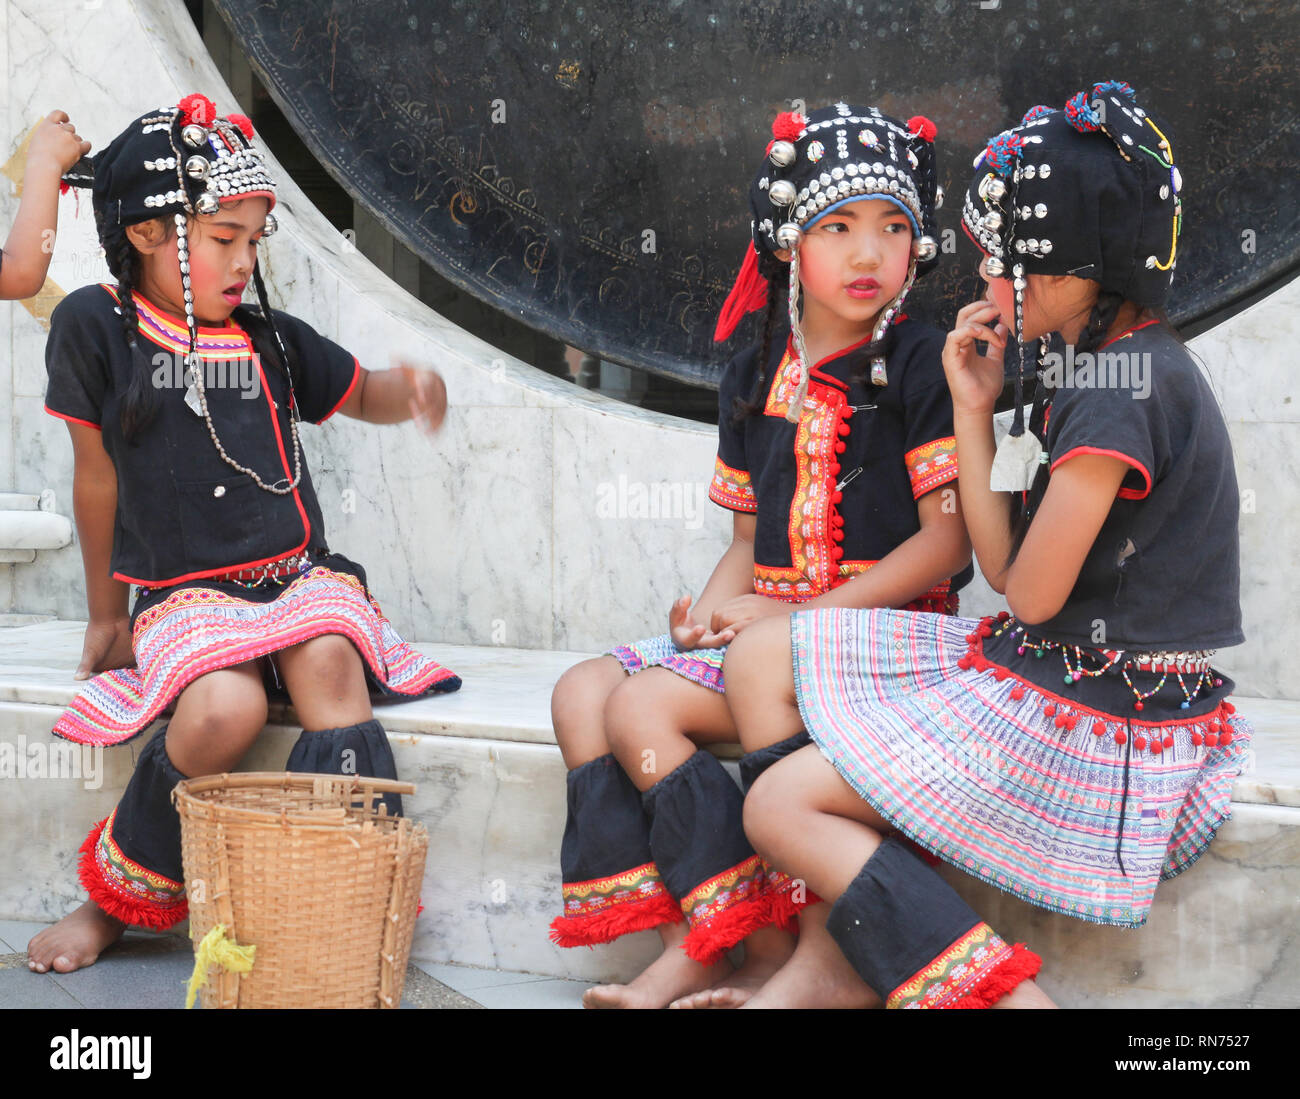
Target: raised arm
94, 502
1078, 498
54, 148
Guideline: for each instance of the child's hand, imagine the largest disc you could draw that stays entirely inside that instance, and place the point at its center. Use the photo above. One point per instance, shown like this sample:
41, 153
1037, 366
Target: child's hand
975, 381
735, 614
107, 645
689, 634
55, 146
428, 397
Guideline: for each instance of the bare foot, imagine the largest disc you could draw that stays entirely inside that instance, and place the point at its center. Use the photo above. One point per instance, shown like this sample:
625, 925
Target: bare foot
670, 976
766, 951
75, 941
817, 974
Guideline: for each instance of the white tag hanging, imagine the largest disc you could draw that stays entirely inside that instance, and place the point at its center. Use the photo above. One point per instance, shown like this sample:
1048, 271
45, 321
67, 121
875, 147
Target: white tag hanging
1016, 462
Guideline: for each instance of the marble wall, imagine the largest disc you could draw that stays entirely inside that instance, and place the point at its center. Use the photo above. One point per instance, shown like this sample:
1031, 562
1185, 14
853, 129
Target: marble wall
542, 516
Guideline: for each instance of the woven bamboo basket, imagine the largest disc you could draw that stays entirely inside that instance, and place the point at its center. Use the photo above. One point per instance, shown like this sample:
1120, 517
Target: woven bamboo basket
312, 872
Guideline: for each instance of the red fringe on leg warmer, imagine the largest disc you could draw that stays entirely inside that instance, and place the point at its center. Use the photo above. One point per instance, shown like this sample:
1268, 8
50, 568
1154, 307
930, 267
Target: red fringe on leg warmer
138, 912
1023, 965
616, 921
707, 942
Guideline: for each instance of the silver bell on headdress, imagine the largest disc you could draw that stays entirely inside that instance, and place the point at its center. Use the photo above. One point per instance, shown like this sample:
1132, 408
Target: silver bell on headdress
788, 235
925, 249
194, 135
782, 153
207, 203
996, 189
271, 225
782, 193
197, 167
992, 220
938, 198
994, 267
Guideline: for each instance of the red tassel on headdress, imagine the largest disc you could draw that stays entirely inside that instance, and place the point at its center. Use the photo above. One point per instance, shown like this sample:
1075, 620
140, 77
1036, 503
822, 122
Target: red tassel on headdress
198, 109
787, 126
749, 293
243, 122
922, 127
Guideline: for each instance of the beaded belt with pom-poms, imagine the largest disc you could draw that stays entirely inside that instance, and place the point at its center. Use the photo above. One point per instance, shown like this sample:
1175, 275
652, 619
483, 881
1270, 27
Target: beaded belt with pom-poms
280, 571
1164, 664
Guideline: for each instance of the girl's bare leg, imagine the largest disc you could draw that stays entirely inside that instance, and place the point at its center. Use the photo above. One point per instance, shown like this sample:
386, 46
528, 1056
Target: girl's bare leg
326, 680
578, 709
217, 718
817, 975
761, 699
654, 722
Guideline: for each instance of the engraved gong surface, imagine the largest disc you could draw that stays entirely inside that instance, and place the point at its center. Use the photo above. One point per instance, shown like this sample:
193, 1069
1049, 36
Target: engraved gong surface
583, 166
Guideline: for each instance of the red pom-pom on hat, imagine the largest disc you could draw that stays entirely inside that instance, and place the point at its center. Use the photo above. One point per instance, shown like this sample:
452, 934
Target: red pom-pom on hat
922, 127
198, 109
788, 126
243, 122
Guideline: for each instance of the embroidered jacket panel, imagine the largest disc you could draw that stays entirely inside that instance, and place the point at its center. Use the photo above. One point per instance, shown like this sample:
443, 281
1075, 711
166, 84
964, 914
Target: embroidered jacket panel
838, 491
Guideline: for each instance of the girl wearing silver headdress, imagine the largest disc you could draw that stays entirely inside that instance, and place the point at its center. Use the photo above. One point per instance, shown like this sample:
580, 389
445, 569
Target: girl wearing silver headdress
835, 453
190, 482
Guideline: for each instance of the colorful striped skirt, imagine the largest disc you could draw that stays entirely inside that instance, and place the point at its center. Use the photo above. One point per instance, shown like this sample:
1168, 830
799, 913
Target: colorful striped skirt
181, 633
1077, 808
702, 666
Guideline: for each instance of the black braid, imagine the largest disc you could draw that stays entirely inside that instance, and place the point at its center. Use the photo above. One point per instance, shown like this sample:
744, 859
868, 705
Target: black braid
1103, 315
777, 293
140, 401
279, 356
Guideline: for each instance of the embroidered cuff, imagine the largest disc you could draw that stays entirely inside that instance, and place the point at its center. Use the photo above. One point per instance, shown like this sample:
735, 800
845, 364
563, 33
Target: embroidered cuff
932, 464
976, 971
602, 910
124, 889
732, 488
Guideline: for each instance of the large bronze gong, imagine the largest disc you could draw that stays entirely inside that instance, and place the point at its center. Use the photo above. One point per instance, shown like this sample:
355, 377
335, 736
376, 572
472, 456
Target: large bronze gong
582, 165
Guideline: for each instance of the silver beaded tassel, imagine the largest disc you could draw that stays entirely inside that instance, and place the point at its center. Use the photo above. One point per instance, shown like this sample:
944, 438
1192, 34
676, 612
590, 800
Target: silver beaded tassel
884, 320
796, 402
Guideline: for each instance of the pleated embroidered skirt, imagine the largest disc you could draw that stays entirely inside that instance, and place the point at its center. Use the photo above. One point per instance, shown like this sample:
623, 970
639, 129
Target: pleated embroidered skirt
181, 633
1060, 797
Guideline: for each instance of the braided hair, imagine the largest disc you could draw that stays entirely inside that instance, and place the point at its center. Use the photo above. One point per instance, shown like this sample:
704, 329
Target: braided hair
778, 289
1104, 311
139, 406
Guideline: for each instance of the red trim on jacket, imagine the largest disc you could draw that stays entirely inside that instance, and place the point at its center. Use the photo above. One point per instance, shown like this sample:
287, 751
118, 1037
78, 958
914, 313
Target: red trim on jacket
72, 419
356, 377
1124, 493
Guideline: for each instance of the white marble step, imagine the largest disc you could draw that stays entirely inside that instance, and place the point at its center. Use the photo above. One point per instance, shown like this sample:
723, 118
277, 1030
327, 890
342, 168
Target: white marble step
491, 791
506, 696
